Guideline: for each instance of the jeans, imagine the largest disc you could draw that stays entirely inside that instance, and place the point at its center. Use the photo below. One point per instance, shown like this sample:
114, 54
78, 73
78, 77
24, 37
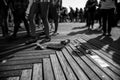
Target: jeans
108, 19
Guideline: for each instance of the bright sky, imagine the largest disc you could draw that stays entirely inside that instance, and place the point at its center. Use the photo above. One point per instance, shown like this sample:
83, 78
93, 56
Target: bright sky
74, 3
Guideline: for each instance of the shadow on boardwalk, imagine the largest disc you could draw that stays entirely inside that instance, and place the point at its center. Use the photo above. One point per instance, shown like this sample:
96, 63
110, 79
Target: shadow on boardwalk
109, 43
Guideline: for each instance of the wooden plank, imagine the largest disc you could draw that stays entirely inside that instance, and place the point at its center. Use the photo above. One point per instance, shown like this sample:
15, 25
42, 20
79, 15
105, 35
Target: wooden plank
112, 66
34, 52
26, 74
9, 52
11, 47
108, 60
16, 67
37, 72
59, 75
101, 55
66, 67
91, 74
21, 62
99, 43
48, 72
10, 73
28, 57
13, 78
30, 49
10, 78
78, 71
112, 52
105, 70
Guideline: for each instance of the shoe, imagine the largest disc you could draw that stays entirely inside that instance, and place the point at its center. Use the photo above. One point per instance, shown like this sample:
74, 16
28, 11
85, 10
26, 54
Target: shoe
45, 40
54, 34
32, 40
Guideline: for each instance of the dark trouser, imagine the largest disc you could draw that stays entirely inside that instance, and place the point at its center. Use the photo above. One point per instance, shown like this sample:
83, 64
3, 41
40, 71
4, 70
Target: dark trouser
43, 8
18, 18
3, 21
107, 18
53, 14
91, 15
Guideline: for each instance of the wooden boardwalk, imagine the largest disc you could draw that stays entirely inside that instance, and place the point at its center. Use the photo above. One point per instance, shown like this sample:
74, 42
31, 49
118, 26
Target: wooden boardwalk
79, 60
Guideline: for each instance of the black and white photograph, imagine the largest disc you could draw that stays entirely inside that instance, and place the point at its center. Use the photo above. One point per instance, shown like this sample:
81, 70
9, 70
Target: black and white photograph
59, 39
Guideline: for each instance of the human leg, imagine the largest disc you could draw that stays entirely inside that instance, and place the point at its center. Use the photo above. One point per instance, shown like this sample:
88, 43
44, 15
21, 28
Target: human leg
44, 7
33, 10
104, 21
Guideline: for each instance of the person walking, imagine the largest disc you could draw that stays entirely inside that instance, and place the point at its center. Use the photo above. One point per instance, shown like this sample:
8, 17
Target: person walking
91, 8
108, 9
43, 7
19, 8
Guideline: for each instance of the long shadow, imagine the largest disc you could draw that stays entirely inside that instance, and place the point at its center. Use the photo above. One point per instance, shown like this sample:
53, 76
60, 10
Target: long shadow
111, 47
79, 27
84, 31
5, 44
116, 54
108, 43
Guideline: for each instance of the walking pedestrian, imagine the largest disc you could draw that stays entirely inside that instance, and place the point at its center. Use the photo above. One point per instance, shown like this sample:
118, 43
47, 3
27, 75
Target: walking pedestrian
108, 9
91, 8
43, 7
19, 8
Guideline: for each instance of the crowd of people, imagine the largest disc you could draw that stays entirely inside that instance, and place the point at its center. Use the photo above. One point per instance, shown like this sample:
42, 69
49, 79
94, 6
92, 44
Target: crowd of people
106, 12
76, 15
47, 11
40, 10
